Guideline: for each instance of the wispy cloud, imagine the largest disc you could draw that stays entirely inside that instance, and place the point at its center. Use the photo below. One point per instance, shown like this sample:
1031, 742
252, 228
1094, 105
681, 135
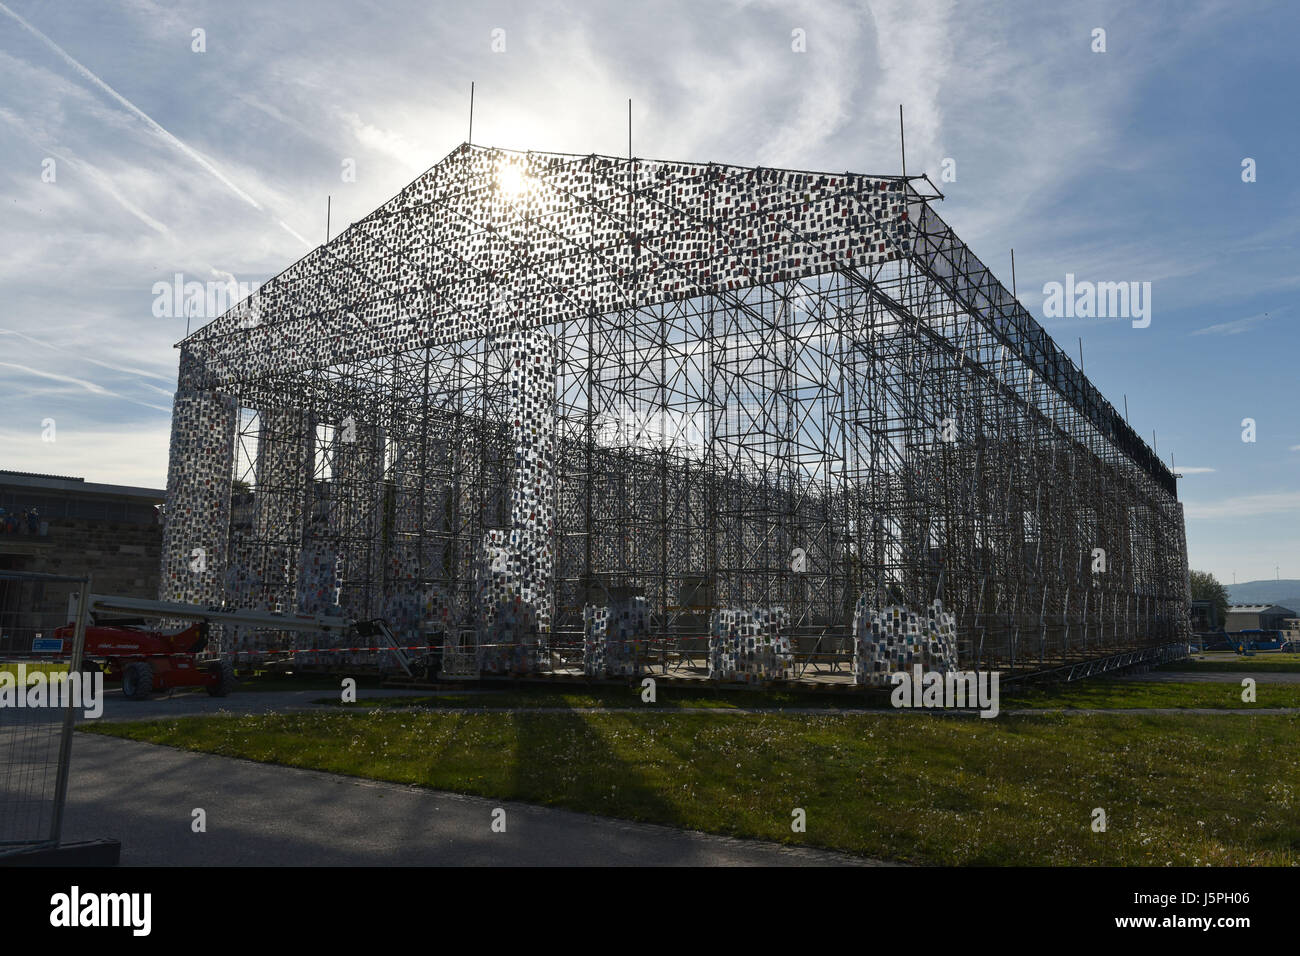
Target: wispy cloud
1245, 506
112, 456
140, 114
91, 387
1237, 326
130, 370
91, 172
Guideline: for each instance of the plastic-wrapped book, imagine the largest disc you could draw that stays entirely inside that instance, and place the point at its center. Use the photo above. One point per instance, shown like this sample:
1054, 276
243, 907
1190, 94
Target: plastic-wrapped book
894, 638
752, 645
614, 638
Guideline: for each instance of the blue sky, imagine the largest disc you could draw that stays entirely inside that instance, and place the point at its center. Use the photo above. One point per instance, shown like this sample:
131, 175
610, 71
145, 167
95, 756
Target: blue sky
1115, 166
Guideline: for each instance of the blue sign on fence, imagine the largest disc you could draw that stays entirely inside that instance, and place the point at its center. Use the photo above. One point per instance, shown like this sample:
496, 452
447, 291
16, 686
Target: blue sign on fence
47, 645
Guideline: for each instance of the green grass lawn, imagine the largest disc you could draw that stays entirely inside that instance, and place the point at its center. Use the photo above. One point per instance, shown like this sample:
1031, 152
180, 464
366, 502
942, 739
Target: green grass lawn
1263, 661
1189, 790
34, 667
1128, 695
1107, 694
568, 696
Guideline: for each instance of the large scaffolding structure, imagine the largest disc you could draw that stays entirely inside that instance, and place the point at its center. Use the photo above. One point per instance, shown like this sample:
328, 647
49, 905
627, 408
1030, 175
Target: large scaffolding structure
532, 382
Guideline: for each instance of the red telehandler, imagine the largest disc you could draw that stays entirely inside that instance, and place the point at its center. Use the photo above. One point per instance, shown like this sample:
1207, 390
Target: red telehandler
147, 660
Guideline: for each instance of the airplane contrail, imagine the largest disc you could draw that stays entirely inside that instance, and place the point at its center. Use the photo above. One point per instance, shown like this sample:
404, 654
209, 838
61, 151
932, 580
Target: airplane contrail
127, 104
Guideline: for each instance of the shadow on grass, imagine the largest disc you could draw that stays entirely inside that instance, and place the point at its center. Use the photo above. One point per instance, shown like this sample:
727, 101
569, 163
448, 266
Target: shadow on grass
593, 776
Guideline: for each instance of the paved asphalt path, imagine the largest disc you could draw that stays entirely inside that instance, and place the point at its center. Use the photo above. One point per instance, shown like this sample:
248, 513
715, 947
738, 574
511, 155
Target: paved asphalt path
264, 815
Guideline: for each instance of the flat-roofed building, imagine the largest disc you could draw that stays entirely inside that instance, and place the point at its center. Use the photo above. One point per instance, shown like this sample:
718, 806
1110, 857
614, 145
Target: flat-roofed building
54, 524
1252, 617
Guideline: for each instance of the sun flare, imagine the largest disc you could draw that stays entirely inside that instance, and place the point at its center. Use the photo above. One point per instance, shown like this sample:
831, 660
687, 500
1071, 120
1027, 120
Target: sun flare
513, 180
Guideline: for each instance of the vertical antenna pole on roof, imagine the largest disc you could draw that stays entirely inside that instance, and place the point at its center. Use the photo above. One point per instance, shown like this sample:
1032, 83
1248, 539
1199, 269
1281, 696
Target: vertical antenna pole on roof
471, 114
327, 218
629, 130
1081, 353
1013, 273
902, 143
1126, 408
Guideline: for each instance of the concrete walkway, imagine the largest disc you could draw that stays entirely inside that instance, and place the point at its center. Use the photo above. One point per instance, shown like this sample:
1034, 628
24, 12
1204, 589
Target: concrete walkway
265, 815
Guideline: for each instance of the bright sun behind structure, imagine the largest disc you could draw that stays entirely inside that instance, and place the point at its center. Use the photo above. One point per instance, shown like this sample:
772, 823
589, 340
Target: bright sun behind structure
512, 180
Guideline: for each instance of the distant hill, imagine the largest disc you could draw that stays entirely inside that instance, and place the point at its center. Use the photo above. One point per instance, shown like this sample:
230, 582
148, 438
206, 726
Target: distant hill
1285, 592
